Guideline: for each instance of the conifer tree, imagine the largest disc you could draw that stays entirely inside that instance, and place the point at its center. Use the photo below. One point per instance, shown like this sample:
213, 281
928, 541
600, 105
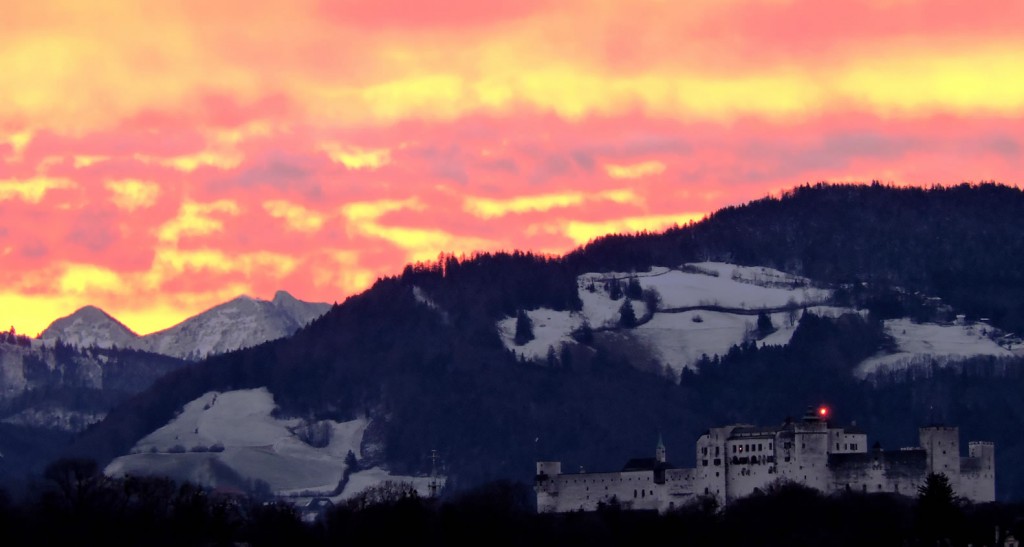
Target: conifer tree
627, 317
524, 328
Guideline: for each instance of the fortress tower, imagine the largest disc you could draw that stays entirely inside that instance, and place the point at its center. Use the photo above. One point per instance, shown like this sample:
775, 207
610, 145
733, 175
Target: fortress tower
942, 444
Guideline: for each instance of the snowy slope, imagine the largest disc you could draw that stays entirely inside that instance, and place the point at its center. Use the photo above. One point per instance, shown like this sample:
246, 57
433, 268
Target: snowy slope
256, 446
673, 335
239, 323
726, 285
922, 343
708, 307
90, 326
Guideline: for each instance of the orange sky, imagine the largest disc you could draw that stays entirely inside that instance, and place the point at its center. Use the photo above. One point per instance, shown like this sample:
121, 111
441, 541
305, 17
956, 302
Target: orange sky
157, 158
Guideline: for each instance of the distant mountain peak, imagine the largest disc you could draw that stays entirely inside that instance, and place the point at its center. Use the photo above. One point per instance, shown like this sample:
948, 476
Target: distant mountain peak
243, 298
240, 322
88, 326
283, 296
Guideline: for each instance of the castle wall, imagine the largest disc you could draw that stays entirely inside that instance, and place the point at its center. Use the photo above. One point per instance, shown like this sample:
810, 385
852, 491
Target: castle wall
751, 465
681, 488
978, 472
587, 491
896, 471
736, 461
842, 442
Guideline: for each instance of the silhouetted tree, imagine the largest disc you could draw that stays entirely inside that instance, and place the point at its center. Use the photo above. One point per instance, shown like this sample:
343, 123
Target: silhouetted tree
627, 317
938, 511
764, 324
524, 328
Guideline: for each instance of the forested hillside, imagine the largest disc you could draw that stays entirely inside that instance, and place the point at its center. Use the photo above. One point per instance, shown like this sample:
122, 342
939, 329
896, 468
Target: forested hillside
961, 243
420, 356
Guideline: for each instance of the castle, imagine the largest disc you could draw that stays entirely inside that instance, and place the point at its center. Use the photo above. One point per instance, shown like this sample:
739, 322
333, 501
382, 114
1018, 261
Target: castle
738, 460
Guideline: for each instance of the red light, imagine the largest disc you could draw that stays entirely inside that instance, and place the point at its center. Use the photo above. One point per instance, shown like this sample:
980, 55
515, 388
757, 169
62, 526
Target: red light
823, 411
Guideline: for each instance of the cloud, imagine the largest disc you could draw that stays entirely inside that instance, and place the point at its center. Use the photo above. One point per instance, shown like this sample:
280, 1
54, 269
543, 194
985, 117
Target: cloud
491, 208
295, 216
357, 158
197, 219
635, 171
133, 194
583, 232
488, 208
31, 190
217, 149
93, 230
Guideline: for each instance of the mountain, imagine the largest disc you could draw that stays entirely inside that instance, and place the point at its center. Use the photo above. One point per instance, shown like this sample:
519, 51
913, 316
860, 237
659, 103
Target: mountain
846, 278
238, 323
89, 326
241, 322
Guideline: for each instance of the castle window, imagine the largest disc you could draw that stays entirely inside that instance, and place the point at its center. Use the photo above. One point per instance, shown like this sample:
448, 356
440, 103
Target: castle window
634, 494
716, 450
718, 461
837, 446
704, 463
759, 446
879, 486
769, 446
705, 490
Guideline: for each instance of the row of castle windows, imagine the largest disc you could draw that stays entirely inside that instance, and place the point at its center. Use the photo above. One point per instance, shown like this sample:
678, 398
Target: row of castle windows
586, 481
851, 446
749, 447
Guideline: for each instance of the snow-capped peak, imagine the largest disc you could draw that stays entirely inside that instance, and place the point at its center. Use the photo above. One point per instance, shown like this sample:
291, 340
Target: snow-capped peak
241, 322
89, 326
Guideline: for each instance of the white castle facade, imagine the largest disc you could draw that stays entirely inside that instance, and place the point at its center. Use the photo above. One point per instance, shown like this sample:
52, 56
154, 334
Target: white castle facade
737, 460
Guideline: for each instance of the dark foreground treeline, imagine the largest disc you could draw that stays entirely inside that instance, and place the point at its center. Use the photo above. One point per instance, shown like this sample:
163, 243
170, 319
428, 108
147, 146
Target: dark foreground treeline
77, 505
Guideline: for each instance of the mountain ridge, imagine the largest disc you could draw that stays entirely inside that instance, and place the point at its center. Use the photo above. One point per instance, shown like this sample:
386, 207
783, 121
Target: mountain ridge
239, 322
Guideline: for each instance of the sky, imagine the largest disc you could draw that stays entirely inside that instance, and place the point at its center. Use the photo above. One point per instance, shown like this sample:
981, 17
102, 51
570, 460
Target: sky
158, 158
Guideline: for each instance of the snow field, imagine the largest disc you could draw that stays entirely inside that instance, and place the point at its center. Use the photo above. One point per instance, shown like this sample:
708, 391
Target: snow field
256, 446
675, 338
925, 342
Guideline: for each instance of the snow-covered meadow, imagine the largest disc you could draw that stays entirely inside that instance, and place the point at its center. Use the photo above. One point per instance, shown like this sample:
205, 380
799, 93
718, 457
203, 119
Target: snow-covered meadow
922, 343
708, 307
677, 337
221, 437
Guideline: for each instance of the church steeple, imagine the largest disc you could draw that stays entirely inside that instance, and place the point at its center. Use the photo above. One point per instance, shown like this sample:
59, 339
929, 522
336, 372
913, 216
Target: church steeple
659, 452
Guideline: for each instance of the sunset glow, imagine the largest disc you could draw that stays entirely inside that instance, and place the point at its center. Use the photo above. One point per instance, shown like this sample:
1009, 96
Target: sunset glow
158, 158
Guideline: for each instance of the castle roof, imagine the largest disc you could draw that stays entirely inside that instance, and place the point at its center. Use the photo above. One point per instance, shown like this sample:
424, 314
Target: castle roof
751, 431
